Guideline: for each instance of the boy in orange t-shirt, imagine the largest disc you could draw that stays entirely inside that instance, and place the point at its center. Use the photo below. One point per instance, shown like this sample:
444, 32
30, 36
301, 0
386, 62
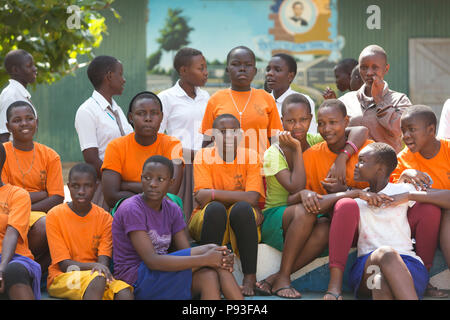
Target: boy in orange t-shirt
319, 158
125, 156
80, 239
255, 109
425, 157
36, 168
227, 187
19, 275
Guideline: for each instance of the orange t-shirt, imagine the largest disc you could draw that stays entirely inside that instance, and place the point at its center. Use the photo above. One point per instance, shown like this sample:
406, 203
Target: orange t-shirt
45, 173
82, 239
318, 160
15, 208
437, 167
260, 119
212, 172
125, 156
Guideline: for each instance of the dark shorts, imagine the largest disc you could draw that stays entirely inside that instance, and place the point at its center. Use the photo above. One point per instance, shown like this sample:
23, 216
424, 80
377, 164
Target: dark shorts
164, 285
418, 272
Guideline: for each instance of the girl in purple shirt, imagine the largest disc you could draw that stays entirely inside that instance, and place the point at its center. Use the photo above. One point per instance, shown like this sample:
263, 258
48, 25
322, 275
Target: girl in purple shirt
145, 226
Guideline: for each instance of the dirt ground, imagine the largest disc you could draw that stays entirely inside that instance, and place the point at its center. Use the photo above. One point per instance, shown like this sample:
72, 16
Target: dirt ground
65, 170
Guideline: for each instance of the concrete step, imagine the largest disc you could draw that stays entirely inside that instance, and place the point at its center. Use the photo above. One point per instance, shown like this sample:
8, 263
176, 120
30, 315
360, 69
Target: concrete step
312, 280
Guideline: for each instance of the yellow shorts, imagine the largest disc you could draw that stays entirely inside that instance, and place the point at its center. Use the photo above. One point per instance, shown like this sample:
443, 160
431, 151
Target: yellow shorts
72, 285
35, 216
196, 224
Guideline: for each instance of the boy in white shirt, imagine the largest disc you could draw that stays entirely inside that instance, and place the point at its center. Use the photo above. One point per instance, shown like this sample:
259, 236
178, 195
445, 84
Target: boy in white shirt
19, 64
444, 123
387, 266
184, 105
280, 72
100, 119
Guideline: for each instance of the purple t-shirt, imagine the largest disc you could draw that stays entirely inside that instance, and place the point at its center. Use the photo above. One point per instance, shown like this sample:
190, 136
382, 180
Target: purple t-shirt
135, 215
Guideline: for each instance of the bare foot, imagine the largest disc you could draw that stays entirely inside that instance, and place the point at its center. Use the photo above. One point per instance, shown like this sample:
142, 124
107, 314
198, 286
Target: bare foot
248, 283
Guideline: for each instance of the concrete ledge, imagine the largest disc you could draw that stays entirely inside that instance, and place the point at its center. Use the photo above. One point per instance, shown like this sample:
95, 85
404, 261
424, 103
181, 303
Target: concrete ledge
315, 276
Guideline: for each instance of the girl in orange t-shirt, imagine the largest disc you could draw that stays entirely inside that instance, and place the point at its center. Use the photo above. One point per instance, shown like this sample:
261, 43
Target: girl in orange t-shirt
255, 109
36, 168
227, 187
125, 156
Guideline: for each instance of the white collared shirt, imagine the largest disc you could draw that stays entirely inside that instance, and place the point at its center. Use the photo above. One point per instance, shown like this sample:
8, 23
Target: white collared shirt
183, 115
444, 123
96, 126
13, 92
386, 226
313, 126
351, 104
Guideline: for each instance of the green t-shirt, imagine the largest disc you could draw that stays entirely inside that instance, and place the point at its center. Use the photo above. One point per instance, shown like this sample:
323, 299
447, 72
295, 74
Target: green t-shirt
274, 162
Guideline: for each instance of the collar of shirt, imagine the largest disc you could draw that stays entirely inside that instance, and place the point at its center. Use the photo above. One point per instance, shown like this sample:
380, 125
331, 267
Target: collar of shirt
366, 101
281, 98
179, 91
102, 102
17, 85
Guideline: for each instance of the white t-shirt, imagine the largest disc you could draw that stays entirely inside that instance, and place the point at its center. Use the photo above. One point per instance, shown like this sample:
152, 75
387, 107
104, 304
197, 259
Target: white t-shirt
13, 92
96, 126
351, 104
183, 115
313, 126
444, 123
386, 226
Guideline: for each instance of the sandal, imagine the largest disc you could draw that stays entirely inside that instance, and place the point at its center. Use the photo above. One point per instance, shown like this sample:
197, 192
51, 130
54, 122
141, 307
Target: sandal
260, 291
336, 295
433, 292
287, 288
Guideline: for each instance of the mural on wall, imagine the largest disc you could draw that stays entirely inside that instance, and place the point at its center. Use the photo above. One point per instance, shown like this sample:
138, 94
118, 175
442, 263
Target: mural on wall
306, 29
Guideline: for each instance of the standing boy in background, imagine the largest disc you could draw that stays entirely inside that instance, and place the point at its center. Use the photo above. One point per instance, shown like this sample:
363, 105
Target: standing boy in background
19, 64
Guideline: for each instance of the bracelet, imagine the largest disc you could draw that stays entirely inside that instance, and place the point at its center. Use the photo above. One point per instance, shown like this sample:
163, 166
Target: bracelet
347, 153
352, 145
212, 194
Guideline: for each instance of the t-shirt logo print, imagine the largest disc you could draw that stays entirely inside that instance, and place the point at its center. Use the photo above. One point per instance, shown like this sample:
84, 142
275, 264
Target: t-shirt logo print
238, 182
95, 244
161, 243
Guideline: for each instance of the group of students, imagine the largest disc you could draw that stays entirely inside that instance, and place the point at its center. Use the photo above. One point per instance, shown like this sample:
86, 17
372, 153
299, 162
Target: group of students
229, 171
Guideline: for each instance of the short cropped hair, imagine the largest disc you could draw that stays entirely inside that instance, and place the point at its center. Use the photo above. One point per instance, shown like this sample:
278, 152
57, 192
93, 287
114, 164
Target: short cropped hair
290, 61
144, 95
422, 111
99, 67
334, 103
296, 3
17, 104
225, 116
2, 156
184, 57
241, 47
385, 155
373, 49
14, 58
347, 65
160, 159
295, 98
83, 168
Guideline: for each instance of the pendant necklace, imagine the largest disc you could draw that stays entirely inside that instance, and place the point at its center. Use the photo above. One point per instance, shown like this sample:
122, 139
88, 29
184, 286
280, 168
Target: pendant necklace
245, 107
20, 169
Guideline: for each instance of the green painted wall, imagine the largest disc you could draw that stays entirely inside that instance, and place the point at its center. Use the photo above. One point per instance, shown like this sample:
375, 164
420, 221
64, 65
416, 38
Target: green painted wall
400, 21
57, 103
